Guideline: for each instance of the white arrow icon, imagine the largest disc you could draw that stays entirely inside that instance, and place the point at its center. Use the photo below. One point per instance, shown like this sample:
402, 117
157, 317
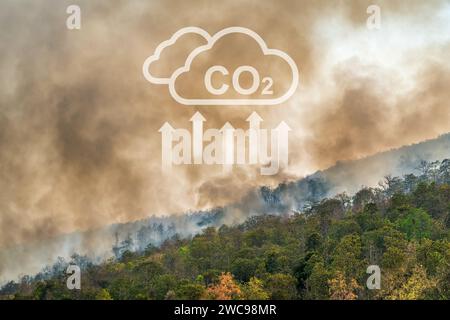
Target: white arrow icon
253, 133
197, 129
166, 155
228, 145
283, 152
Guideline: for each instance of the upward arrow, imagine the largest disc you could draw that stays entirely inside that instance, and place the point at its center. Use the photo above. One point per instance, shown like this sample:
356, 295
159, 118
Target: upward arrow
283, 126
253, 137
166, 128
197, 140
228, 145
227, 127
197, 117
254, 119
283, 143
166, 155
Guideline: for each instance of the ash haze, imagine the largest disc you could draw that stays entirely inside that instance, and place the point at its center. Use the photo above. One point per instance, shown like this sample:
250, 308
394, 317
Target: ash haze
79, 140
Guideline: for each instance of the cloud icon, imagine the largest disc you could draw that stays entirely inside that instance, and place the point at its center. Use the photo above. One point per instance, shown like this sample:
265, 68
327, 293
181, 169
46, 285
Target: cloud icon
217, 95
153, 59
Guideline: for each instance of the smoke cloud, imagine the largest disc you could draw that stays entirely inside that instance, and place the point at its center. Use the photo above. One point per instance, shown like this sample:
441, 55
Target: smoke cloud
79, 140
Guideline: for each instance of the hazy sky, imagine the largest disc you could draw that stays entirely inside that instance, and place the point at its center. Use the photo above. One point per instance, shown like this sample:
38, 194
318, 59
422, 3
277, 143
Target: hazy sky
79, 124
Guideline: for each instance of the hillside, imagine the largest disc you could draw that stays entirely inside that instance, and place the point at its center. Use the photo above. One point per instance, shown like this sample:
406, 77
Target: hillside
110, 241
403, 226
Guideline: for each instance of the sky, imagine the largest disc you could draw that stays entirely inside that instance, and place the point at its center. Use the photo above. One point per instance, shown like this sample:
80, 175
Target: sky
79, 139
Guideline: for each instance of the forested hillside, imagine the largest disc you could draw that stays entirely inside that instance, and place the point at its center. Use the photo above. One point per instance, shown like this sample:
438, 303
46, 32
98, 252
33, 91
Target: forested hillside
320, 253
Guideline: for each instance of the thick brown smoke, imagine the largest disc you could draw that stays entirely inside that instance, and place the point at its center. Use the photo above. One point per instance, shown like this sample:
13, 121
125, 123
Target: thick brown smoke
79, 124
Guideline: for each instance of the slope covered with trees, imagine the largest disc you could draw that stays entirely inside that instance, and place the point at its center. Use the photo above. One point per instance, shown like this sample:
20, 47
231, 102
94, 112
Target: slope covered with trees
320, 253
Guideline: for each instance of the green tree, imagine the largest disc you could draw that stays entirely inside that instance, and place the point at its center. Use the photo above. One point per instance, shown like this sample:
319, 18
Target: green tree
347, 257
244, 269
281, 286
103, 294
416, 224
254, 290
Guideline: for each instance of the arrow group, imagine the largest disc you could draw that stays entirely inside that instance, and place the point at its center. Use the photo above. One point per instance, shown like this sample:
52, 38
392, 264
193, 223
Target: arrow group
227, 145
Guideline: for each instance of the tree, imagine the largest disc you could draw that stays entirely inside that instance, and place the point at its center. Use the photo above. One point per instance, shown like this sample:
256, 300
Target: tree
103, 294
416, 224
434, 255
161, 285
190, 291
243, 268
254, 290
347, 257
313, 241
317, 283
415, 286
363, 197
302, 271
225, 289
342, 288
281, 286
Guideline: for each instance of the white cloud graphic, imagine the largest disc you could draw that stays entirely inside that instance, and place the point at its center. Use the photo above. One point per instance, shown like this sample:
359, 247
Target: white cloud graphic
210, 43
163, 45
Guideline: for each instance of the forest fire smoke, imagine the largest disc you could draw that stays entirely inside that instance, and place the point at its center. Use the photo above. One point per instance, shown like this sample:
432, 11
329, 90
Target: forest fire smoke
79, 123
